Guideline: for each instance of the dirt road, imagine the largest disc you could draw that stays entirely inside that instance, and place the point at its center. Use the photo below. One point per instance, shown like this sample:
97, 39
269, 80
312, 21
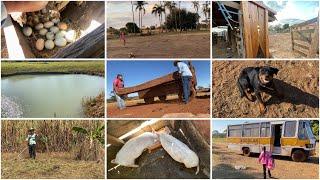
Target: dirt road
137, 108
49, 166
224, 162
165, 45
297, 80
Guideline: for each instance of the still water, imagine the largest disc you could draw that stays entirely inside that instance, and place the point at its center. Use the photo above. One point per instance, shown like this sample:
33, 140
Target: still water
45, 96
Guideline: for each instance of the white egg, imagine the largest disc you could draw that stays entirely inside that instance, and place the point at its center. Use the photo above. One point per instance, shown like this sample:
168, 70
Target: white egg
54, 29
50, 35
48, 24
49, 44
60, 42
55, 20
40, 44
27, 31
43, 31
39, 26
60, 34
70, 36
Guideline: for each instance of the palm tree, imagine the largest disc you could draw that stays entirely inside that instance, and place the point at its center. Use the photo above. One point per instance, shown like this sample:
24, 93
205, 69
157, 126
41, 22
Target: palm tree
206, 11
140, 7
158, 10
134, 27
196, 5
180, 14
171, 5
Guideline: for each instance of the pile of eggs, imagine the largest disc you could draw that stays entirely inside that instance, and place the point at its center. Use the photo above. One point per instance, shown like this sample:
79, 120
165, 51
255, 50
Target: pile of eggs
50, 31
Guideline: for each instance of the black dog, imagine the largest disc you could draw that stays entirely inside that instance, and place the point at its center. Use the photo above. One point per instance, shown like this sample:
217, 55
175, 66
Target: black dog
256, 80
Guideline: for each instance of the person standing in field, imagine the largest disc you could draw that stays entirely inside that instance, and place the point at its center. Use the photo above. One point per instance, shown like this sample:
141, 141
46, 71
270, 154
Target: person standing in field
31, 139
123, 38
186, 76
118, 84
267, 162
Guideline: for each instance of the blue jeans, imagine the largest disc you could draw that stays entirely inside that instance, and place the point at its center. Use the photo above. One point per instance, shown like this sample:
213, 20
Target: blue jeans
120, 102
186, 87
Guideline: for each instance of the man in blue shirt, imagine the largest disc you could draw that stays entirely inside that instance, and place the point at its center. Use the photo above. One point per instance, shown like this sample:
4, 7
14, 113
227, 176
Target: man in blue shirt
186, 76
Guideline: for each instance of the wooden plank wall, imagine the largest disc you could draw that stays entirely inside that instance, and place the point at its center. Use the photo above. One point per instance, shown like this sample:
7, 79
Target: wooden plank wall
305, 38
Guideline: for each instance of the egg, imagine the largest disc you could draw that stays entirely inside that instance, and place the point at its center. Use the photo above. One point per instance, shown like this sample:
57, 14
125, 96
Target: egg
43, 31
55, 20
49, 44
48, 24
70, 36
44, 10
62, 25
54, 29
40, 44
50, 35
39, 26
60, 42
60, 34
27, 31
36, 19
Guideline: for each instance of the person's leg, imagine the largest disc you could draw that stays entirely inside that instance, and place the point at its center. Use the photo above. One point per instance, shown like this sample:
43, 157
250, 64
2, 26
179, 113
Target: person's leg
34, 152
188, 87
185, 88
30, 151
264, 171
123, 104
118, 101
269, 173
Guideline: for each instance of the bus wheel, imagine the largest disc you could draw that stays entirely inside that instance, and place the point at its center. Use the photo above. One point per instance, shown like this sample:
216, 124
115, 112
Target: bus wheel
246, 151
298, 156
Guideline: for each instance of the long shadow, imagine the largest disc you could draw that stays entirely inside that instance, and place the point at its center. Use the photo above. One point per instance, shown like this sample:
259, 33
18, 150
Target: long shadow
311, 160
226, 171
293, 95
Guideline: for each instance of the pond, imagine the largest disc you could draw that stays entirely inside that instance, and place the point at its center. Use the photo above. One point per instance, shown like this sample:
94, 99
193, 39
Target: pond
46, 96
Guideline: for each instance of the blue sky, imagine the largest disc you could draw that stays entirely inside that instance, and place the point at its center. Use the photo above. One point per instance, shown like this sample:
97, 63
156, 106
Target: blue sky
119, 13
221, 125
303, 10
137, 72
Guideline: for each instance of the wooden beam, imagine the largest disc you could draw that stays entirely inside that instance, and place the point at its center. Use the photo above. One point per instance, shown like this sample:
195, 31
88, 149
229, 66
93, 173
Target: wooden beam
17, 45
231, 4
246, 29
315, 41
114, 141
90, 46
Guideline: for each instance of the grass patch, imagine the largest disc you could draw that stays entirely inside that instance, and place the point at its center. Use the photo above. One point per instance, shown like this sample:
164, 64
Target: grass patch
53, 165
71, 67
94, 107
219, 140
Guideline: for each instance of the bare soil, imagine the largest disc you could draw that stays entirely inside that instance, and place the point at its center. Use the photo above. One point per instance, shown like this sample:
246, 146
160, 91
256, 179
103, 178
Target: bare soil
296, 80
224, 162
281, 46
49, 166
139, 109
164, 45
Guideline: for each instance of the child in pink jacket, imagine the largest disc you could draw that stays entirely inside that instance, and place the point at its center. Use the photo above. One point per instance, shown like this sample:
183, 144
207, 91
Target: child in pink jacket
267, 162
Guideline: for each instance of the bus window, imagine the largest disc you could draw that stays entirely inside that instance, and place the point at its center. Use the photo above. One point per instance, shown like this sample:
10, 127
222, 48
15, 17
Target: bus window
234, 131
265, 129
251, 130
302, 130
290, 129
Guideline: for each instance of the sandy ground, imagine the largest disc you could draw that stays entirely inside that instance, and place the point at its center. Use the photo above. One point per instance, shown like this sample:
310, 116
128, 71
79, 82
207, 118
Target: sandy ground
171, 45
138, 109
224, 162
281, 46
54, 165
297, 80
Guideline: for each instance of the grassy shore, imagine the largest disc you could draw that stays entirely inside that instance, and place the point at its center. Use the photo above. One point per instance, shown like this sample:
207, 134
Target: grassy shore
9, 68
93, 107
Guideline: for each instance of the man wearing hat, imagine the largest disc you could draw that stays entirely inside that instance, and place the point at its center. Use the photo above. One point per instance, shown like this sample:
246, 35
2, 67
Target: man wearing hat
31, 139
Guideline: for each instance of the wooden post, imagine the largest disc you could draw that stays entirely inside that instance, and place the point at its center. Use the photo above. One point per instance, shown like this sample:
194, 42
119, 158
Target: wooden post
246, 29
314, 46
267, 33
292, 43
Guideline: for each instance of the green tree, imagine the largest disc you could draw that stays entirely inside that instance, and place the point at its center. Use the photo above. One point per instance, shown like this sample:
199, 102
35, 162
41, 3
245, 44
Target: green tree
132, 27
315, 128
196, 6
141, 8
158, 10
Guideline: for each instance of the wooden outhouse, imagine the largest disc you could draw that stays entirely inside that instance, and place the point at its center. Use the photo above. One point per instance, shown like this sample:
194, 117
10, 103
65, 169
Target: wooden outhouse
247, 23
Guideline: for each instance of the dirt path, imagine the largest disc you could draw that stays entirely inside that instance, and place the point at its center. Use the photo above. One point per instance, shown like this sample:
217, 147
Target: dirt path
138, 109
53, 166
297, 80
184, 45
224, 162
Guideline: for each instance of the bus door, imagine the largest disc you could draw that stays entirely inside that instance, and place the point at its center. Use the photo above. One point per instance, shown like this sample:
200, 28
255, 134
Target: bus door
276, 132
